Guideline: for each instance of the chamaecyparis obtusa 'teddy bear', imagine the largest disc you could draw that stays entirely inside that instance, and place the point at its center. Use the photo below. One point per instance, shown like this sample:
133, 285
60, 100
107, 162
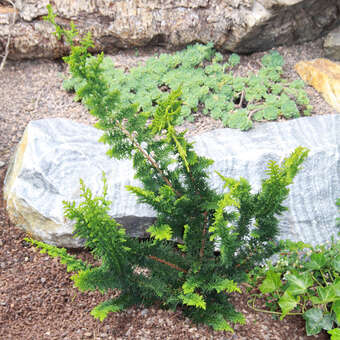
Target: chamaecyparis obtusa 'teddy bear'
185, 273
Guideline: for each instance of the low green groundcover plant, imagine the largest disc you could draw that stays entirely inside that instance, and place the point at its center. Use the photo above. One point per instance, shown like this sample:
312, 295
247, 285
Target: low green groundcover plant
305, 281
208, 86
185, 273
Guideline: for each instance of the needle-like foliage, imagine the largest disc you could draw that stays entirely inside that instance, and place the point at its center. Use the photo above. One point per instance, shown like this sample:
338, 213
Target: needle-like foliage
185, 273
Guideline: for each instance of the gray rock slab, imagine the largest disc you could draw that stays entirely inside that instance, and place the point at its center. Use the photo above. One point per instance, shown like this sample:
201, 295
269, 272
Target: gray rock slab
55, 153
332, 44
311, 202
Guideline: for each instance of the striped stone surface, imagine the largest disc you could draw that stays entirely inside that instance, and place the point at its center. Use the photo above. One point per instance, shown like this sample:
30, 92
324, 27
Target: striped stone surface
55, 153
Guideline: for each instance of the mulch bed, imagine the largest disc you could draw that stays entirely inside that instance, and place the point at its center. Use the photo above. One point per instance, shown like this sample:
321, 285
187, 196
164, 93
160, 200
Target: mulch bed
37, 298
38, 301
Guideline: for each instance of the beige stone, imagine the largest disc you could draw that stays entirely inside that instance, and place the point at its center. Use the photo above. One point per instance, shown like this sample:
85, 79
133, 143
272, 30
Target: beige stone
324, 76
241, 26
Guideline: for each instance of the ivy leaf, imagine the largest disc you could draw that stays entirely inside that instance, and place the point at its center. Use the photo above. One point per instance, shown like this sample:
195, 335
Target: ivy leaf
271, 283
296, 246
299, 283
317, 261
287, 302
326, 294
327, 322
314, 321
336, 310
336, 285
336, 263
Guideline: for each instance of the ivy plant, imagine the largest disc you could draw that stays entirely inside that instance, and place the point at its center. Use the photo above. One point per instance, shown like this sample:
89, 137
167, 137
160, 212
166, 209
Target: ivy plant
209, 86
188, 273
305, 281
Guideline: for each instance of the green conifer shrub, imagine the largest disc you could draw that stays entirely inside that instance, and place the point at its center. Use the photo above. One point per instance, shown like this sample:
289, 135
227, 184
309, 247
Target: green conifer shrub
185, 273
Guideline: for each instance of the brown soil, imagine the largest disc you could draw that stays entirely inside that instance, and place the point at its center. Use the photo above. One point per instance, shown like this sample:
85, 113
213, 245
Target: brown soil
37, 298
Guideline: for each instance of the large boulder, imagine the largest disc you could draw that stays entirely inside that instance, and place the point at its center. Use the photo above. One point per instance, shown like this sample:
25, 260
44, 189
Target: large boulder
54, 153
241, 26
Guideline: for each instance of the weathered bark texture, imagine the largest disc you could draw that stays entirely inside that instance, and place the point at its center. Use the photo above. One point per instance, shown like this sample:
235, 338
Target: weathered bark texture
241, 26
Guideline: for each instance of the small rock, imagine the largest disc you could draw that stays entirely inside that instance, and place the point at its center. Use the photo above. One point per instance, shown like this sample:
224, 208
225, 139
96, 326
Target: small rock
88, 334
2, 164
332, 44
26, 259
1, 243
42, 280
144, 312
324, 76
129, 331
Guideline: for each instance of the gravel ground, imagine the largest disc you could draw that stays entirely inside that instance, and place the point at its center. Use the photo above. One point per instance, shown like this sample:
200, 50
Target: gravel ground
37, 298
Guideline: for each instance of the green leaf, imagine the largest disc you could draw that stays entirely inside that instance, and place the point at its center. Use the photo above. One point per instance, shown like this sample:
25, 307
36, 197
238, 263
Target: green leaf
270, 113
327, 322
289, 109
238, 120
234, 59
190, 285
225, 285
287, 302
314, 321
193, 299
160, 232
218, 323
325, 295
335, 334
296, 246
336, 285
271, 283
299, 283
73, 264
336, 263
272, 59
103, 309
317, 261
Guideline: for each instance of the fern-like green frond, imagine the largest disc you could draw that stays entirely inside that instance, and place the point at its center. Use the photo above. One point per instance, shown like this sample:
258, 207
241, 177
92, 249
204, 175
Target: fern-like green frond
114, 305
160, 232
193, 299
72, 263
